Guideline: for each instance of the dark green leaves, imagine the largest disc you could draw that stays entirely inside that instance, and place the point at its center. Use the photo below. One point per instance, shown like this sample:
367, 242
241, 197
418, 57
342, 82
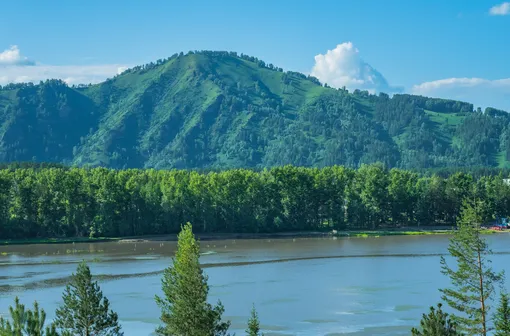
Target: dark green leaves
26, 322
436, 323
502, 317
85, 311
472, 279
184, 307
253, 324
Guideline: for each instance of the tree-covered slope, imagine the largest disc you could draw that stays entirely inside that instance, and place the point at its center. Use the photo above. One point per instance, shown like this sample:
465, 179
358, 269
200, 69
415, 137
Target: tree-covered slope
223, 110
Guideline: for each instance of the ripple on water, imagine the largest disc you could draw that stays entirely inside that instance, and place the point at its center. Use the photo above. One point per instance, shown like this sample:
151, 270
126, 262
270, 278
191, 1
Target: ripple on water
320, 321
279, 300
208, 252
344, 313
151, 257
404, 308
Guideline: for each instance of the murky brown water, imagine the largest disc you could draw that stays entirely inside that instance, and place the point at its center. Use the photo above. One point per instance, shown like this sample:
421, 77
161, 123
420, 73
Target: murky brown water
314, 286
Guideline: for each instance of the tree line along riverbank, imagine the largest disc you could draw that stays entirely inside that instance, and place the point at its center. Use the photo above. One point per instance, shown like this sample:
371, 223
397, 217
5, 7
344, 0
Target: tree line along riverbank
37, 204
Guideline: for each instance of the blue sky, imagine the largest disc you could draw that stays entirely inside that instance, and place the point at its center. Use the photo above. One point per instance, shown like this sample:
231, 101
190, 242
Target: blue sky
455, 48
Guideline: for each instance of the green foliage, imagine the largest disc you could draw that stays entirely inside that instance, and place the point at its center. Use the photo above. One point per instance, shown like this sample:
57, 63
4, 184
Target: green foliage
26, 322
82, 203
436, 323
253, 324
224, 110
85, 311
502, 317
473, 279
184, 307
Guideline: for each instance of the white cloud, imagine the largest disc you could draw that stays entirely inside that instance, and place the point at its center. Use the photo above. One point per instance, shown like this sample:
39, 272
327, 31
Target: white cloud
15, 68
12, 56
343, 66
121, 69
501, 9
71, 74
479, 91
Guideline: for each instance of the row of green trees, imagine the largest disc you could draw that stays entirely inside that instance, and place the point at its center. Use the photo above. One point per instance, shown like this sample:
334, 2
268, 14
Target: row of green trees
99, 202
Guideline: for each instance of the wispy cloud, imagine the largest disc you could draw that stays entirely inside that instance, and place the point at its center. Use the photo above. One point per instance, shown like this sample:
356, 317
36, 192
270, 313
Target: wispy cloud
343, 66
16, 68
501, 9
482, 92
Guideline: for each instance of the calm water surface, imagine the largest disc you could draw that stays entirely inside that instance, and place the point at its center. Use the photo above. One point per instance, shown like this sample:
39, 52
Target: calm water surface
315, 286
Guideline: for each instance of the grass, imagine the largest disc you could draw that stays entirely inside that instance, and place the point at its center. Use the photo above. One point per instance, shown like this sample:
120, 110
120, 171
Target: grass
378, 233
451, 119
501, 160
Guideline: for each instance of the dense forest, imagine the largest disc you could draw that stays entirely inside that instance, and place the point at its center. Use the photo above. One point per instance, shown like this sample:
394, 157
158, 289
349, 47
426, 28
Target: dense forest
220, 110
101, 202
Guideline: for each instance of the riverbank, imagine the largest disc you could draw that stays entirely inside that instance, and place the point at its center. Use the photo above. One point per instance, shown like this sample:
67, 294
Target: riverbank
67, 240
409, 231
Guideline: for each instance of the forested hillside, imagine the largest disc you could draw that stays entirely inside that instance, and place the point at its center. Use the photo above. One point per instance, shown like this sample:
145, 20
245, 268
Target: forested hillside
218, 110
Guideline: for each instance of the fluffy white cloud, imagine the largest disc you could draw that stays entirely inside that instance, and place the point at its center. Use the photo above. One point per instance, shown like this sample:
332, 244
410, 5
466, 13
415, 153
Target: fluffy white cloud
12, 56
501, 9
15, 68
479, 91
343, 66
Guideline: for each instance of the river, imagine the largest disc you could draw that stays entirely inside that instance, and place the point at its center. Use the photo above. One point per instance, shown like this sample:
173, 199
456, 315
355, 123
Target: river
305, 286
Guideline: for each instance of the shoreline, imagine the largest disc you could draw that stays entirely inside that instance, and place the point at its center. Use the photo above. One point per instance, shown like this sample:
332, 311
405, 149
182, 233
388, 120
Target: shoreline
409, 231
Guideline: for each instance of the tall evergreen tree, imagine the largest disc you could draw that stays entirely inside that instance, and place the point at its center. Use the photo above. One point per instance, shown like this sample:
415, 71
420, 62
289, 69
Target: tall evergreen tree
253, 324
85, 311
473, 279
184, 307
502, 317
26, 322
436, 323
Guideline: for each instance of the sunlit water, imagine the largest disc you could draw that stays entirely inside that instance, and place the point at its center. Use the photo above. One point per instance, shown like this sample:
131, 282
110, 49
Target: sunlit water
316, 286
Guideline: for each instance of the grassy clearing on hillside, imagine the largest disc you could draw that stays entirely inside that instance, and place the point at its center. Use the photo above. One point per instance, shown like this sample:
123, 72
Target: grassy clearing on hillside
501, 160
451, 119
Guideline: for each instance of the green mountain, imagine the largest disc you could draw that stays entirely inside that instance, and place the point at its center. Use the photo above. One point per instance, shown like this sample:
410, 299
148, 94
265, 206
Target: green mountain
222, 110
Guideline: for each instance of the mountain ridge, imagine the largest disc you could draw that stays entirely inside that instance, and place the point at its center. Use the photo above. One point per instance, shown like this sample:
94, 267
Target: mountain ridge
224, 110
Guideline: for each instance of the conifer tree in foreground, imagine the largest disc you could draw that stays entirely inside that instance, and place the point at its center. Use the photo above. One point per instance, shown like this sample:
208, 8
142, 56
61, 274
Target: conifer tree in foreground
85, 311
502, 317
253, 324
184, 307
472, 279
436, 323
26, 322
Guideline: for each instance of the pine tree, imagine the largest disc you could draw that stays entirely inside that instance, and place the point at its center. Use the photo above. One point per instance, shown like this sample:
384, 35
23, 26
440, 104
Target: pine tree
253, 324
184, 307
502, 317
26, 322
86, 311
473, 279
436, 323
